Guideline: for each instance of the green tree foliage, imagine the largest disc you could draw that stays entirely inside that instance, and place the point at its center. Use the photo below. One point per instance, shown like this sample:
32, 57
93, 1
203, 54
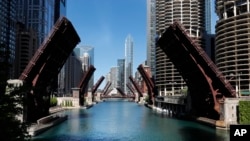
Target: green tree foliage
244, 110
53, 101
12, 129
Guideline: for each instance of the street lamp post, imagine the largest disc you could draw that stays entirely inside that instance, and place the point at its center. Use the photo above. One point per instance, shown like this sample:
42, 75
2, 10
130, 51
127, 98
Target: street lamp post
239, 85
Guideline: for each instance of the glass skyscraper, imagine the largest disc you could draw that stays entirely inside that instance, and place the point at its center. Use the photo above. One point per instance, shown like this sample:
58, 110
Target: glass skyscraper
151, 35
120, 79
37, 14
87, 58
129, 45
8, 33
60, 9
90, 51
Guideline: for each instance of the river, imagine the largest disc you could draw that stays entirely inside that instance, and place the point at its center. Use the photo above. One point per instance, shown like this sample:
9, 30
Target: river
122, 120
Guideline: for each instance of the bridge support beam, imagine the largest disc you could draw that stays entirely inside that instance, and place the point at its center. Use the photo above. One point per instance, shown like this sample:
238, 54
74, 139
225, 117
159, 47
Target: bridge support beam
139, 93
204, 80
152, 91
41, 72
98, 97
141, 100
95, 87
88, 99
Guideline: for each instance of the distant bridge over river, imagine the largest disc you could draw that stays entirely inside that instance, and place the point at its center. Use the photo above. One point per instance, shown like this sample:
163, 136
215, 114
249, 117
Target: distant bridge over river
118, 96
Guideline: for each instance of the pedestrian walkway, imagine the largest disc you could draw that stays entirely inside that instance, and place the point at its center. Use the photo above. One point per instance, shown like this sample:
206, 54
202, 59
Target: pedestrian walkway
47, 122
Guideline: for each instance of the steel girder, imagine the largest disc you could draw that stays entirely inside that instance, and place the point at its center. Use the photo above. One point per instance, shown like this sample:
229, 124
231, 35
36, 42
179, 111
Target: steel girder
84, 83
204, 80
152, 92
136, 86
44, 66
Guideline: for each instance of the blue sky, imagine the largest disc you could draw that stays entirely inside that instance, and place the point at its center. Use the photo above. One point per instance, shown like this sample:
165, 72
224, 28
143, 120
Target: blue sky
104, 24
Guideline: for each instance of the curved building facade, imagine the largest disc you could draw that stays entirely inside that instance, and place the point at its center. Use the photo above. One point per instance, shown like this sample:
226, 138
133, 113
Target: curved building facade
233, 42
192, 15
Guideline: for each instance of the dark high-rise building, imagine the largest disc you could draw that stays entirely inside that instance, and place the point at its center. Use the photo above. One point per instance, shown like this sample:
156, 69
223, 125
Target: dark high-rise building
63, 85
121, 71
8, 33
38, 15
60, 9
26, 45
72, 75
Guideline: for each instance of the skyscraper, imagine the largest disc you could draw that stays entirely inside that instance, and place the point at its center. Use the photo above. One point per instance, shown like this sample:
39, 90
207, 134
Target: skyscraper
60, 9
129, 45
192, 14
37, 14
87, 58
114, 77
35, 20
151, 35
209, 37
85, 62
8, 33
121, 73
232, 42
73, 74
26, 45
90, 51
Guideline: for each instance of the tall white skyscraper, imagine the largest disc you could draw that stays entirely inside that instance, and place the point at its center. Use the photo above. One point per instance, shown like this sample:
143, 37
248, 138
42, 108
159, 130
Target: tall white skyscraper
129, 45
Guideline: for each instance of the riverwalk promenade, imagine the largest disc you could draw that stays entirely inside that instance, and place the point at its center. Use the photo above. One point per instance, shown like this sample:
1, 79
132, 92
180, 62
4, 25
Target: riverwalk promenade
56, 117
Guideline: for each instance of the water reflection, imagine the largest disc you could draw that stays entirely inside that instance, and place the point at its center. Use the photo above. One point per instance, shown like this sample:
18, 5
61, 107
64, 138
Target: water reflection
121, 120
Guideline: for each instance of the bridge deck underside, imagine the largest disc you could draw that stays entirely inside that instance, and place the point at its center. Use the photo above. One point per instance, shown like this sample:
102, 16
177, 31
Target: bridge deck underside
42, 70
52, 54
190, 59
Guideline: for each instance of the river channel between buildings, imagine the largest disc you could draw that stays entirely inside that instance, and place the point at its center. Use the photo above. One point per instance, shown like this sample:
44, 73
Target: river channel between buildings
127, 121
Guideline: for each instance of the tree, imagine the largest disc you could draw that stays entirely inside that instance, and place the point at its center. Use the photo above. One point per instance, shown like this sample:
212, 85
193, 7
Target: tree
53, 101
11, 129
11, 106
244, 108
